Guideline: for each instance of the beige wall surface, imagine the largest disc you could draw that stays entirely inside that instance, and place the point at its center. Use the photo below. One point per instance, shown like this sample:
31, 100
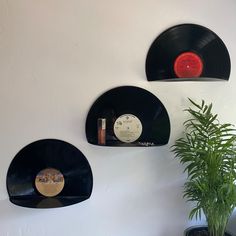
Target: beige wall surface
56, 58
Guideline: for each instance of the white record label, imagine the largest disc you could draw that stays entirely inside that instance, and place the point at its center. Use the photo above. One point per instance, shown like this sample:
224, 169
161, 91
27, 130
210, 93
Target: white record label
128, 128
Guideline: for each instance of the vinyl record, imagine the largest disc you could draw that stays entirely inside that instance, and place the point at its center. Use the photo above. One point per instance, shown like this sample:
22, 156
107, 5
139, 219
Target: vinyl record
133, 117
188, 52
49, 173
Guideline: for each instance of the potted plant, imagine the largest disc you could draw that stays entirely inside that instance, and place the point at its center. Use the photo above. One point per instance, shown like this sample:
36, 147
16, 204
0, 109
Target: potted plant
207, 150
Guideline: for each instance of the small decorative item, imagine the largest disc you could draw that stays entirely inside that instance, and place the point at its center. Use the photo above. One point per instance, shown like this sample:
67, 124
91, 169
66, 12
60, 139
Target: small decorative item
101, 131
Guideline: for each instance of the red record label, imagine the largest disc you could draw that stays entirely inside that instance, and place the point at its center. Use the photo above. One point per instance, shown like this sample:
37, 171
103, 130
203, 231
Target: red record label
188, 65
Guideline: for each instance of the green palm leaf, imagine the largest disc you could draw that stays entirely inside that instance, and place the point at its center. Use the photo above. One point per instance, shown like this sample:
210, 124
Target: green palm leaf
207, 150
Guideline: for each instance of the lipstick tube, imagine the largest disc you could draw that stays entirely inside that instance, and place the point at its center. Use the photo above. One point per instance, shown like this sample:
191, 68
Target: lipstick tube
101, 124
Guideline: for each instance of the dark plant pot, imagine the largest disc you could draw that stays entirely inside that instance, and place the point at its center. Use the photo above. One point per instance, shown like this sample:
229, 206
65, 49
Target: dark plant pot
200, 231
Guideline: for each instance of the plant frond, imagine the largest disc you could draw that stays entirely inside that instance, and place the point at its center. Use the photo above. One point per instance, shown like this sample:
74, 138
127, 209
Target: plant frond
207, 149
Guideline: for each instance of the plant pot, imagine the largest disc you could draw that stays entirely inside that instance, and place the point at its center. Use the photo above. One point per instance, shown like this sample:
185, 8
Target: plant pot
200, 231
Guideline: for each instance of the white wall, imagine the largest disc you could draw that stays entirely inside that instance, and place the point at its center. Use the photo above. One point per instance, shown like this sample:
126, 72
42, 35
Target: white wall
56, 58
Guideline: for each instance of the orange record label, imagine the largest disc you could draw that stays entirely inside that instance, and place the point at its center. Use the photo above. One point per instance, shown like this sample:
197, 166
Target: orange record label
49, 182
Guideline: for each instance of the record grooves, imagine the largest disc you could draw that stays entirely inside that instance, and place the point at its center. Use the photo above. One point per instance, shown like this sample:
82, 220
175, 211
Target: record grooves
49, 173
188, 52
133, 117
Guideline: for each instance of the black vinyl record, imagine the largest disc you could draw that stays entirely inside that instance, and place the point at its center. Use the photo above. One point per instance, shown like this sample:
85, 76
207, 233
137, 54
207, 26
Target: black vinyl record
49, 173
188, 52
132, 116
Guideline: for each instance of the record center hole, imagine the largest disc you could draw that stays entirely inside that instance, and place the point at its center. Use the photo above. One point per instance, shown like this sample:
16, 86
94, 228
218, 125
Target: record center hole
188, 65
49, 182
